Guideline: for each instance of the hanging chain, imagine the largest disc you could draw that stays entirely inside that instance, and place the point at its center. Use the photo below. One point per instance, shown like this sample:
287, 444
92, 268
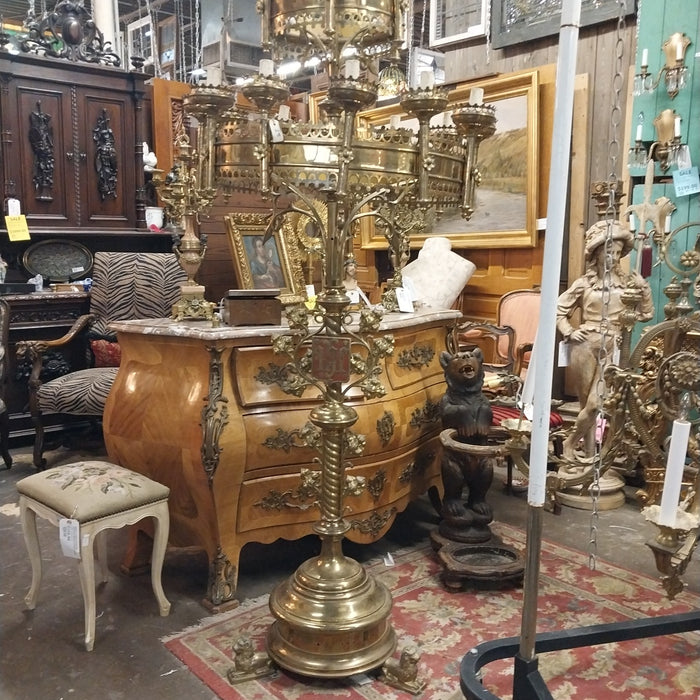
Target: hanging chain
608, 337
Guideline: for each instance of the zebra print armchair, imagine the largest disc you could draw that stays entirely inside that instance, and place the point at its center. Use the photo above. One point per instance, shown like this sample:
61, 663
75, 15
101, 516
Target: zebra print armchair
124, 286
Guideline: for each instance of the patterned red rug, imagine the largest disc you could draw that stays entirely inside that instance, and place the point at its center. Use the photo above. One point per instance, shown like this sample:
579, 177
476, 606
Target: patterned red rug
445, 625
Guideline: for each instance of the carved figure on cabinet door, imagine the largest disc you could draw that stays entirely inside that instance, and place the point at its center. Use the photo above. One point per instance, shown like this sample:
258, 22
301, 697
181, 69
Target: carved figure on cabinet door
41, 140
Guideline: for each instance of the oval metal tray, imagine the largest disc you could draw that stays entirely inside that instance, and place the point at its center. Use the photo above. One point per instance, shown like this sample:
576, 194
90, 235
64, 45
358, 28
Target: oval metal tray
57, 260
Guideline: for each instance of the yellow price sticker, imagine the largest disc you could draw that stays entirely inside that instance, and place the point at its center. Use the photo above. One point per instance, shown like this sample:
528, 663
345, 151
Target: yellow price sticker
17, 228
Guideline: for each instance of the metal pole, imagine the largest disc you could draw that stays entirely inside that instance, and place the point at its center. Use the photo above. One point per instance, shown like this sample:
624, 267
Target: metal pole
546, 332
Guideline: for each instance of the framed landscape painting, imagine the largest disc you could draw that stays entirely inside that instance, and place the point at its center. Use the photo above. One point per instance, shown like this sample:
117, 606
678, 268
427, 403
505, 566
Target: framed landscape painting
505, 215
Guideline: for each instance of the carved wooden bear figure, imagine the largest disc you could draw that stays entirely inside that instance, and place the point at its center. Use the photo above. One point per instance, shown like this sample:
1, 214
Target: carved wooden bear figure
465, 409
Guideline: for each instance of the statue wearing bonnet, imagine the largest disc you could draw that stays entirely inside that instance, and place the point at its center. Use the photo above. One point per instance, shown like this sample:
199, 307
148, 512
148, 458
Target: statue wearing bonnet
601, 311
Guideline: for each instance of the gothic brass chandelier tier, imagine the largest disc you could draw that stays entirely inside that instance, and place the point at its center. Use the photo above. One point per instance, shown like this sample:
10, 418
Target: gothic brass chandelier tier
331, 617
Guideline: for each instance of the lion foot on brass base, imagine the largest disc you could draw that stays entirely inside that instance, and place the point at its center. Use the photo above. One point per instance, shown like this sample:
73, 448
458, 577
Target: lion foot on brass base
403, 673
249, 664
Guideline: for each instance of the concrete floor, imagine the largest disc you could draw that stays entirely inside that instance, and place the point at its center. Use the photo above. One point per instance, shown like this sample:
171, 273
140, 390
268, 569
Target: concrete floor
42, 653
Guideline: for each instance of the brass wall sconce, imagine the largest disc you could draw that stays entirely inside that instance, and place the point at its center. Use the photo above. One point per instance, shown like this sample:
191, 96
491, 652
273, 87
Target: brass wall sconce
668, 150
674, 72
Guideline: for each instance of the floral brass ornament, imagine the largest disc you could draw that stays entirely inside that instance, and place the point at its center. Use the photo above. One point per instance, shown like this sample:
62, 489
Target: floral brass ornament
385, 427
375, 523
427, 414
284, 440
376, 484
214, 414
416, 357
289, 382
308, 493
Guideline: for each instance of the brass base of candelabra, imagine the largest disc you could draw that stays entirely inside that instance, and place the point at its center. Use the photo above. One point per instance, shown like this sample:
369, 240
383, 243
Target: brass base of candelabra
192, 305
332, 617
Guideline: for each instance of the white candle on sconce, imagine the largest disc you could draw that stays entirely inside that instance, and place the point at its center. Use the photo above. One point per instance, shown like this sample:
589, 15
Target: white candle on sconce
645, 57
639, 132
677, 126
673, 479
352, 69
667, 224
633, 224
266, 67
427, 79
476, 96
679, 50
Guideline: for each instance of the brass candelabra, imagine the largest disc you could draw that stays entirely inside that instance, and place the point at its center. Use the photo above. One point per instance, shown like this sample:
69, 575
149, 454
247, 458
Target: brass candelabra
331, 617
184, 199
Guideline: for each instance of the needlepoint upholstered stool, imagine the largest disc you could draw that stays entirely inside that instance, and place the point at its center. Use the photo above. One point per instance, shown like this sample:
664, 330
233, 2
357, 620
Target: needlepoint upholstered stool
83, 499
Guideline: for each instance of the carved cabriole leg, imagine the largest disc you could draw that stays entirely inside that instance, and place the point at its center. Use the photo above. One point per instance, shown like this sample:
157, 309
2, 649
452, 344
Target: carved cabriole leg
31, 538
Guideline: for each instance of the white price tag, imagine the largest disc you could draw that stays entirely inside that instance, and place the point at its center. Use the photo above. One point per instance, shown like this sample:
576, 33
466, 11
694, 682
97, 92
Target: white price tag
69, 535
353, 295
14, 208
564, 348
403, 299
310, 291
276, 131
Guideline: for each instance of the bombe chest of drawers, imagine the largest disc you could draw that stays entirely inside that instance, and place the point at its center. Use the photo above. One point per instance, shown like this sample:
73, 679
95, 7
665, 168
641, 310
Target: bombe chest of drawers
204, 411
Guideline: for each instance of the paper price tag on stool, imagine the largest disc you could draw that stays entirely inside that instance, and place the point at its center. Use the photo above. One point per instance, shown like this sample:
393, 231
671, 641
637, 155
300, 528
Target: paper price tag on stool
69, 535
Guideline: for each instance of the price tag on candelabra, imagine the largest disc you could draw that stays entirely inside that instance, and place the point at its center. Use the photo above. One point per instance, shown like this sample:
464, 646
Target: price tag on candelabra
330, 359
686, 181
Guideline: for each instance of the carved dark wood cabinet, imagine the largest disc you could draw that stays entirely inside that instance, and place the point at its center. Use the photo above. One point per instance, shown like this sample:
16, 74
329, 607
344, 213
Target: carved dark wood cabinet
71, 137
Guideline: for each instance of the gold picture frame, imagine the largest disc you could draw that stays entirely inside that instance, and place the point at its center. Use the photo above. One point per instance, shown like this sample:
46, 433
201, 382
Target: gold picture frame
509, 220
265, 264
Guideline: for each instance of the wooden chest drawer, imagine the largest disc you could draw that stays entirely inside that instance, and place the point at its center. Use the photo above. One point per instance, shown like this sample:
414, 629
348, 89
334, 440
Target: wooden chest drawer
276, 501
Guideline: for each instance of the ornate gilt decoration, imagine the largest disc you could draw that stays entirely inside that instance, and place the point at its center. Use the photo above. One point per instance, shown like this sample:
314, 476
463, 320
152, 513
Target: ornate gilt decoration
68, 32
376, 484
375, 523
417, 467
106, 164
308, 493
385, 427
288, 380
428, 414
214, 414
41, 140
222, 580
284, 440
416, 357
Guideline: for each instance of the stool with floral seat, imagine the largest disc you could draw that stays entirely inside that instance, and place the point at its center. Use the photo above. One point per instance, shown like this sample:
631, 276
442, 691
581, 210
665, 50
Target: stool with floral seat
86, 498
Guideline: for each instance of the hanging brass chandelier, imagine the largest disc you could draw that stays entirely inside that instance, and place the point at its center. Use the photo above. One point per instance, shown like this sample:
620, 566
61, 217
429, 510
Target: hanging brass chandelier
331, 617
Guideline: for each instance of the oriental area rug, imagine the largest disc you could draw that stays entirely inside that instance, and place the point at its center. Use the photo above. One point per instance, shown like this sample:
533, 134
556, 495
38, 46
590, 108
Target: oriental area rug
445, 625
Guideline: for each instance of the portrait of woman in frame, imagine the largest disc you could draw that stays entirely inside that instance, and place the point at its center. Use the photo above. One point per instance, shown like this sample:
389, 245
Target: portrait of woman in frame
264, 262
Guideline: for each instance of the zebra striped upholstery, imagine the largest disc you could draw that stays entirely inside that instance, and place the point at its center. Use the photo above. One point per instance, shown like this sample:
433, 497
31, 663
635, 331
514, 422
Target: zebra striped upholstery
125, 286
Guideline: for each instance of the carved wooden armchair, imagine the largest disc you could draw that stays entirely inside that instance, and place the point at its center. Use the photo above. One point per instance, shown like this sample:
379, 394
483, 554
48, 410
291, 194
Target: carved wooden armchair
512, 336
507, 345
125, 286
